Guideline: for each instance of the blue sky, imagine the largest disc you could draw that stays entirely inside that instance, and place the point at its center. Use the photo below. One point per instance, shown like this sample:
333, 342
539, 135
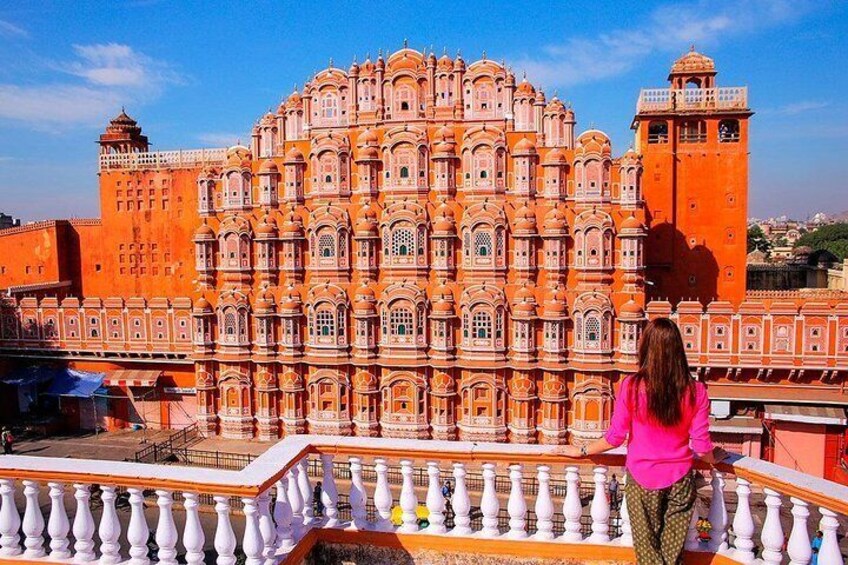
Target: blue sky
199, 73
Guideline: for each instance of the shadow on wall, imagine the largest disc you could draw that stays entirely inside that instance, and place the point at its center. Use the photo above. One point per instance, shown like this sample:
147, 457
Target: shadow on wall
682, 268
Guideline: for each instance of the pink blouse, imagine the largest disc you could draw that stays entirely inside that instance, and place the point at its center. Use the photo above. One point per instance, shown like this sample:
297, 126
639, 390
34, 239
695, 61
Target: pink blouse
659, 456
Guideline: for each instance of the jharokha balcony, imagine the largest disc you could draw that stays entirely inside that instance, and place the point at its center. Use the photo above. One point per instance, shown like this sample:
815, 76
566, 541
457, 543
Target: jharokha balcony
383, 504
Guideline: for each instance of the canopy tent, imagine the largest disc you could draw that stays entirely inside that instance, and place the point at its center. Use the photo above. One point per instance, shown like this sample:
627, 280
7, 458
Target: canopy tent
79, 384
28, 376
137, 378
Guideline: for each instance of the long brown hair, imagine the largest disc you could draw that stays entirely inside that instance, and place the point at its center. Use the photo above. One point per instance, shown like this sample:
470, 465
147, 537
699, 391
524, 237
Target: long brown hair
664, 372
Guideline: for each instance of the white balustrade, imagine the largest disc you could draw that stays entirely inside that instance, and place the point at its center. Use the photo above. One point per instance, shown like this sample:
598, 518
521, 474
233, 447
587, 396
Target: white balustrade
329, 492
489, 504
600, 508
33, 522
798, 547
266, 527
743, 523
383, 497
193, 536
283, 515
460, 502
408, 499
166, 530
225, 538
829, 553
718, 513
772, 534
110, 527
10, 520
358, 498
626, 538
252, 544
58, 524
572, 508
296, 502
544, 507
516, 505
435, 500
83, 526
138, 533
306, 492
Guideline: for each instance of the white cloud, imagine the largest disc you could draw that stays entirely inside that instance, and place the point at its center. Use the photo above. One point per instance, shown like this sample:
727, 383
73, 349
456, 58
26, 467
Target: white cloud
8, 29
105, 76
219, 139
668, 29
795, 108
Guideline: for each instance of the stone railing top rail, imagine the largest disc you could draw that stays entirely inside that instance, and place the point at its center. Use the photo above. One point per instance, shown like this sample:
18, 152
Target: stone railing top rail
692, 99
265, 470
176, 159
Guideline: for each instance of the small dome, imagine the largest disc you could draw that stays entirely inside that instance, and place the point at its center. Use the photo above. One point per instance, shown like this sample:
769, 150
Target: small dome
556, 304
556, 220
291, 299
268, 167
294, 99
367, 223
525, 219
202, 305
367, 153
204, 232
524, 147
555, 156
367, 137
444, 222
444, 134
238, 156
293, 155
442, 301
630, 157
264, 300
209, 173
267, 227
555, 106
293, 225
445, 63
524, 87
632, 223
693, 62
631, 309
365, 292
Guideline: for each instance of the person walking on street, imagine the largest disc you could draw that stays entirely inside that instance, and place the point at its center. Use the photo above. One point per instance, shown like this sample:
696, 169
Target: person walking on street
816, 546
7, 439
316, 497
613, 492
663, 413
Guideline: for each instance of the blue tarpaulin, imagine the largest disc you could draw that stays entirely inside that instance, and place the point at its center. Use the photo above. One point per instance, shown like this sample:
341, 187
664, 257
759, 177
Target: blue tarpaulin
70, 382
29, 376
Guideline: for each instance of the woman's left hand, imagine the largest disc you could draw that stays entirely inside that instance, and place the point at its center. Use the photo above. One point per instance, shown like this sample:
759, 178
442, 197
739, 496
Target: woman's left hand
567, 451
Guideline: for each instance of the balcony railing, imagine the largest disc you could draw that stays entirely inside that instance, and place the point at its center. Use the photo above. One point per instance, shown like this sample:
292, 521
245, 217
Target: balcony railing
692, 99
279, 525
180, 159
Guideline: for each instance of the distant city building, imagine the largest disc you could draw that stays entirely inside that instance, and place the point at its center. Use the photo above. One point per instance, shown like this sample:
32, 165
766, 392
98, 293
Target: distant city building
7, 221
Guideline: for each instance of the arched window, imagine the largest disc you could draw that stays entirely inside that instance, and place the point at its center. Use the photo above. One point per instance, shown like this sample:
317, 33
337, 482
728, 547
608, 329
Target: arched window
401, 321
404, 172
483, 164
482, 243
403, 242
482, 325
325, 323
329, 106
404, 163
593, 332
326, 245
404, 99
327, 165
484, 99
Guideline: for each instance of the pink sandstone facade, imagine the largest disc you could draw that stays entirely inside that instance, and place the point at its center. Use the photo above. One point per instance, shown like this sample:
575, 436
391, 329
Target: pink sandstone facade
425, 248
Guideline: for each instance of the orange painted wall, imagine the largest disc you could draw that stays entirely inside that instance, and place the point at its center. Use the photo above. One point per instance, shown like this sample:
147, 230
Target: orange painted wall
800, 447
33, 254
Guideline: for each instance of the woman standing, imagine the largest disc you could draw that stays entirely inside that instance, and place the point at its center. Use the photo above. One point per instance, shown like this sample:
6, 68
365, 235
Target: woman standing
665, 415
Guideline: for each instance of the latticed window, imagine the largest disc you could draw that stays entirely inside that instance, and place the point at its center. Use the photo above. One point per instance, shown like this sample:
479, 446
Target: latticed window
325, 323
403, 242
593, 332
481, 325
482, 244
400, 321
326, 245
230, 323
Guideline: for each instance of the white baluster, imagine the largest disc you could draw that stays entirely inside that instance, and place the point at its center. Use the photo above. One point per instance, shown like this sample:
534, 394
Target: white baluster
296, 502
358, 498
329, 492
225, 538
138, 532
718, 513
83, 526
383, 497
306, 492
266, 527
600, 508
58, 524
516, 506
435, 500
110, 527
460, 502
772, 534
572, 507
252, 540
10, 520
193, 536
283, 515
693, 542
544, 507
33, 523
626, 538
166, 530
489, 504
799, 549
408, 499
829, 553
743, 523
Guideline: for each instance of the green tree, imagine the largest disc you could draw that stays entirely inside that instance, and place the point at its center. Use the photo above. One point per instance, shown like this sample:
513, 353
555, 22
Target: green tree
757, 239
833, 237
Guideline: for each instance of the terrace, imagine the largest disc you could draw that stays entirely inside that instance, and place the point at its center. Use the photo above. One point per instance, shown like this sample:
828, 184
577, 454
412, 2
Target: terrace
653, 100
179, 159
524, 503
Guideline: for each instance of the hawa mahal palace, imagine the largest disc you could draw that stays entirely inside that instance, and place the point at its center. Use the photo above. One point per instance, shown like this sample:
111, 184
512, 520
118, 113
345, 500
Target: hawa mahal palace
424, 247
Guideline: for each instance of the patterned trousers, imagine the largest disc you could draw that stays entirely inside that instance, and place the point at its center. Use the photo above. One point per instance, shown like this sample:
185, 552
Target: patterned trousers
660, 520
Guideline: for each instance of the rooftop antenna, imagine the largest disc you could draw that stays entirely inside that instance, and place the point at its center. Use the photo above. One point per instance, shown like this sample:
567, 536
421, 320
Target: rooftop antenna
405, 43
